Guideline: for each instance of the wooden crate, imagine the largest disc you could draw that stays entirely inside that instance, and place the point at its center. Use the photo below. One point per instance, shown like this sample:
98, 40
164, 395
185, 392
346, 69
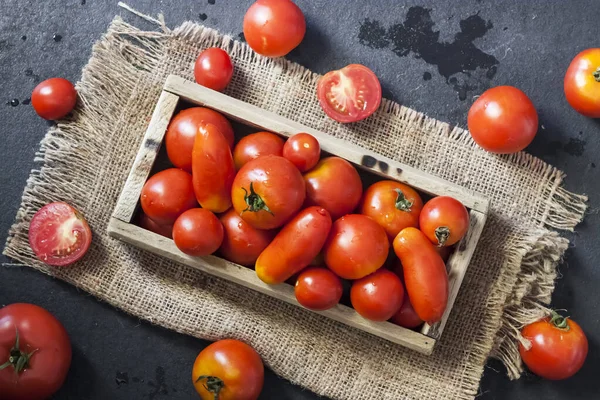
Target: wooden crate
177, 89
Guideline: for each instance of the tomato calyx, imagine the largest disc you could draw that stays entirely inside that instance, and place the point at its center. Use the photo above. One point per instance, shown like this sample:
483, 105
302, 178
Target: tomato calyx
596, 74
442, 233
18, 359
559, 322
254, 202
402, 203
213, 384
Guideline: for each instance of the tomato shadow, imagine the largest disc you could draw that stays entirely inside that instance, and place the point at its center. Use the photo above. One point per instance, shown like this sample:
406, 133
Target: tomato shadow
315, 50
80, 379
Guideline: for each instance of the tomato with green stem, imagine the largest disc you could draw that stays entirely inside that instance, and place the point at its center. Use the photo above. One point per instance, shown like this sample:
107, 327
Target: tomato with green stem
256, 145
444, 220
582, 83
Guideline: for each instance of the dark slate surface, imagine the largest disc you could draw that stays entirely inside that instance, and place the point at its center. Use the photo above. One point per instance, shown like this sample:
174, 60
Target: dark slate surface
430, 55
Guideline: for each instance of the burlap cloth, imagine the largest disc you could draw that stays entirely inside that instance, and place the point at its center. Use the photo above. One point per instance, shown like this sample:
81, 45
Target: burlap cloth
86, 159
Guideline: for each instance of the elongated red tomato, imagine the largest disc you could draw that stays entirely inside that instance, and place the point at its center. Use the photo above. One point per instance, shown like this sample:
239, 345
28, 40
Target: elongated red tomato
444, 220
295, 246
212, 169
582, 83
424, 274
256, 145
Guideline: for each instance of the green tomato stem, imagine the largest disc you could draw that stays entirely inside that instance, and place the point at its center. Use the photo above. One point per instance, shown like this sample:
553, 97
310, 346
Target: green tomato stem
18, 359
596, 74
213, 385
402, 203
559, 321
254, 202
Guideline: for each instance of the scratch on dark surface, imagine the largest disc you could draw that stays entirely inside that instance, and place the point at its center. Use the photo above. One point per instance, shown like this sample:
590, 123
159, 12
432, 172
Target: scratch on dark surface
122, 378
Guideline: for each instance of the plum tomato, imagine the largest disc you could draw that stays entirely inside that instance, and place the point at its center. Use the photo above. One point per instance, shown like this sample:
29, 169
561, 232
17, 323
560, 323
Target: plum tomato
242, 244
54, 98
582, 83
213, 69
303, 150
406, 316
377, 296
444, 220
164, 230
318, 289
167, 194
256, 145
198, 232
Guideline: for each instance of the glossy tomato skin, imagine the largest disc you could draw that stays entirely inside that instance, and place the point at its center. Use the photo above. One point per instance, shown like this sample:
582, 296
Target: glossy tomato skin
256, 145
149, 224
558, 349
318, 289
582, 83
407, 316
268, 191
335, 185
424, 274
444, 220
213, 69
295, 246
242, 244
356, 247
237, 365
183, 129
167, 194
303, 150
377, 296
198, 232
54, 98
350, 94
43, 337
273, 28
59, 235
503, 120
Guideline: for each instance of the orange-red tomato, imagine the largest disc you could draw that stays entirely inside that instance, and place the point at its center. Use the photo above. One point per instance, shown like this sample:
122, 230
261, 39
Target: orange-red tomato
356, 247
147, 223
228, 370
444, 220
335, 185
167, 194
406, 316
558, 348
424, 274
242, 244
303, 150
256, 145
392, 205
582, 83
295, 246
213, 69
377, 296
198, 232
54, 98
318, 289
268, 191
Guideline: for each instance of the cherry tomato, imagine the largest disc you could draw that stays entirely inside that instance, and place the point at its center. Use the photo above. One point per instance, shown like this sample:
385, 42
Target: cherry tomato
183, 129
256, 145
377, 296
198, 232
149, 224
424, 274
392, 205
268, 191
444, 220
213, 69
503, 120
302, 150
335, 185
228, 370
212, 169
558, 347
242, 244
406, 316
273, 28
318, 289
167, 194
59, 235
35, 352
356, 247
54, 98
349, 94
295, 246
582, 83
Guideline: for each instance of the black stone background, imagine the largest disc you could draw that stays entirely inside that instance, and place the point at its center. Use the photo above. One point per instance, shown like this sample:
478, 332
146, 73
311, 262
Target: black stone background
434, 56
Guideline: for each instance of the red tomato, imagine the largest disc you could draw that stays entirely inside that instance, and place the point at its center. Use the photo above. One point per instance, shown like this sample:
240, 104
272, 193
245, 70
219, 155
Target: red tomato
183, 129
444, 220
582, 83
303, 151
503, 120
349, 94
377, 296
273, 28
37, 352
213, 69
406, 316
228, 370
268, 191
295, 246
242, 244
212, 169
198, 232
357, 246
558, 347
318, 289
59, 235
256, 145
167, 194
54, 98
335, 185
150, 225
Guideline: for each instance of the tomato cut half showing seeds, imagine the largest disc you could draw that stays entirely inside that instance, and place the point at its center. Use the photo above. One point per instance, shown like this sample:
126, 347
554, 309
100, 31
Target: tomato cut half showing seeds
59, 235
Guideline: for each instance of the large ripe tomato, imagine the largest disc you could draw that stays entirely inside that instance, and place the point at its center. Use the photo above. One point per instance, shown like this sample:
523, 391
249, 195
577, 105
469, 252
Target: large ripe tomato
392, 205
582, 83
148, 224
183, 129
377, 296
273, 28
335, 185
303, 150
407, 316
59, 235
357, 246
558, 347
349, 94
35, 353
167, 194
503, 120
54, 98
268, 191
228, 370
444, 220
213, 69
198, 232
318, 289
242, 244
256, 145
